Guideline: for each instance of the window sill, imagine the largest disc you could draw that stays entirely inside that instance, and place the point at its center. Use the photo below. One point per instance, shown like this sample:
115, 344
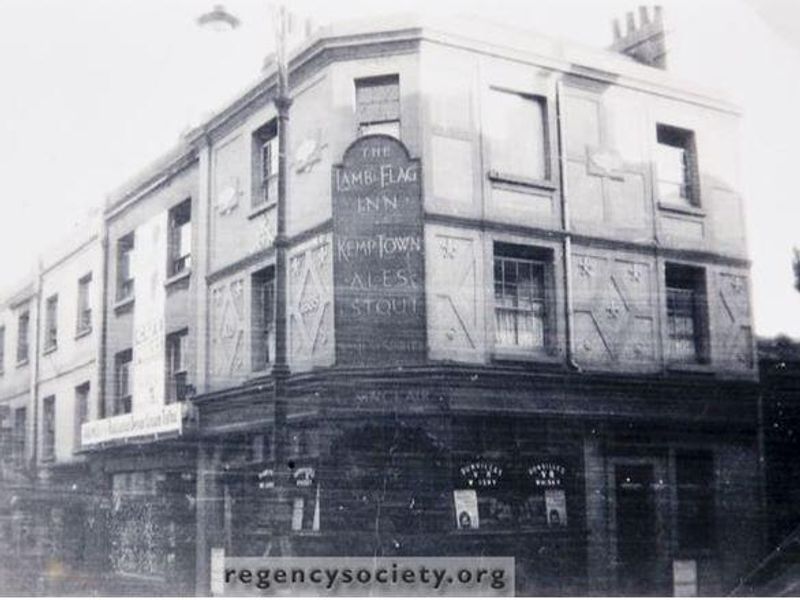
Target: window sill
518, 180
49, 349
532, 529
699, 368
81, 333
123, 304
22, 363
177, 278
508, 355
259, 210
694, 211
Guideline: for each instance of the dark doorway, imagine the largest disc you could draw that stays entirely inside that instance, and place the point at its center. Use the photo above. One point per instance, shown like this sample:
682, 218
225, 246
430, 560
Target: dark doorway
636, 531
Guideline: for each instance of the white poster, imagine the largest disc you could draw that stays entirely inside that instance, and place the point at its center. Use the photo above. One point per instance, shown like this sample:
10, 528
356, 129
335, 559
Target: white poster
149, 267
555, 502
466, 503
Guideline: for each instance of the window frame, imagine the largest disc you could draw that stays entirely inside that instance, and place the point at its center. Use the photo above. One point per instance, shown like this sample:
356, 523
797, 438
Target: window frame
177, 381
82, 399
262, 283
23, 341
49, 428
126, 246
686, 140
371, 126
51, 324
20, 433
83, 319
500, 174
541, 258
687, 278
265, 136
180, 216
123, 360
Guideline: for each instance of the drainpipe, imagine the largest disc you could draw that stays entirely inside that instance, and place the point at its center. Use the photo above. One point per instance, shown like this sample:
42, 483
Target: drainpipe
33, 358
103, 333
280, 367
565, 224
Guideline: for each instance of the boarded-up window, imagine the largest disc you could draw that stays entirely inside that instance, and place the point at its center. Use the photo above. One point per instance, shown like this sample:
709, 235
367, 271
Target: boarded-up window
517, 134
378, 105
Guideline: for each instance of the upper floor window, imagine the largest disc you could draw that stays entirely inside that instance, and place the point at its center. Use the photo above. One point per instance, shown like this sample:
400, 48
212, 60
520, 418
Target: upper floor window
517, 133
81, 410
378, 105
125, 266
51, 324
263, 303
676, 166
180, 238
122, 382
694, 472
177, 380
2, 349
20, 433
84, 318
686, 314
49, 428
265, 165
23, 332
519, 297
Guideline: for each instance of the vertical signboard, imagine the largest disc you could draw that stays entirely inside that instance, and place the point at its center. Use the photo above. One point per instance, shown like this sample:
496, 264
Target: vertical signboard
149, 352
379, 258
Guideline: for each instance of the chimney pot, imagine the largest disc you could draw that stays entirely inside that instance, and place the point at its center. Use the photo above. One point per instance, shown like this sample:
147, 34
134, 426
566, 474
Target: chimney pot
644, 37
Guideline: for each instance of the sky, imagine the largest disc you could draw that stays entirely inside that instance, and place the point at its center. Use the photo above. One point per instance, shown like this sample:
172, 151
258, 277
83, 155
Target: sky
91, 91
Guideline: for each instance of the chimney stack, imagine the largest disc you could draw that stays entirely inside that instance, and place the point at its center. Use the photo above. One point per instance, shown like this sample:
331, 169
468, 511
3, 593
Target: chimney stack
643, 41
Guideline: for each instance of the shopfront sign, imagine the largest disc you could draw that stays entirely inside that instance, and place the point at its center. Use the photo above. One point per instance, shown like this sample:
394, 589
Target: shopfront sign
378, 254
150, 421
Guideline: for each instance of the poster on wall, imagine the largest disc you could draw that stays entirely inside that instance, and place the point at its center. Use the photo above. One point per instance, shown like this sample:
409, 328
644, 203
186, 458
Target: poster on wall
379, 259
149, 342
466, 504
555, 502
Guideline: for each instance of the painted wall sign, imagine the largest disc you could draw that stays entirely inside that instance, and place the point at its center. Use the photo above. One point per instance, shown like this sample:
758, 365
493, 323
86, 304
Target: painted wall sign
547, 474
304, 476
481, 474
149, 341
378, 254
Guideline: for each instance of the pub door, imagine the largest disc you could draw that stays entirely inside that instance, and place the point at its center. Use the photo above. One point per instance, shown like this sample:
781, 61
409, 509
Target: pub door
637, 549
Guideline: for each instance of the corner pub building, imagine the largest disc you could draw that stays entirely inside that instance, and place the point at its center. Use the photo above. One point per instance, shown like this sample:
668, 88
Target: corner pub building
517, 307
